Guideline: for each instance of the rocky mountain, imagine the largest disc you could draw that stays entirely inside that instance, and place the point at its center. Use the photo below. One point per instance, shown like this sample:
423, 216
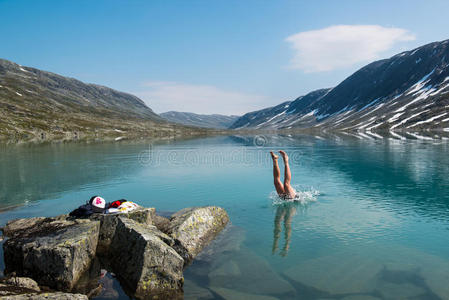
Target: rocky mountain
282, 115
192, 119
409, 91
37, 103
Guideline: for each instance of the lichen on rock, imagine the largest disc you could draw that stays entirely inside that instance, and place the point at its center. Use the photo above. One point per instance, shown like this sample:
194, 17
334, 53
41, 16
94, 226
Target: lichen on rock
194, 228
108, 223
148, 260
53, 251
148, 265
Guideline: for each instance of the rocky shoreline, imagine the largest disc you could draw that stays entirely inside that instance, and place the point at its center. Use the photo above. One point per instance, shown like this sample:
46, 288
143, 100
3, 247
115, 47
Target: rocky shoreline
48, 258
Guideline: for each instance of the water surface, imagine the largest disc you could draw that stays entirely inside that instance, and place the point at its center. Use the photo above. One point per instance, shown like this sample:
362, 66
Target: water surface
373, 222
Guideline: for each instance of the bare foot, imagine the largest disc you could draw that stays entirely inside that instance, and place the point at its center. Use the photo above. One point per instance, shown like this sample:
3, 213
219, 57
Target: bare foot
273, 156
284, 155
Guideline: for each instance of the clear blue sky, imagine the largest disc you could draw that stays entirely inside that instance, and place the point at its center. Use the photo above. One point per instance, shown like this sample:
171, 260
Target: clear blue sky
213, 56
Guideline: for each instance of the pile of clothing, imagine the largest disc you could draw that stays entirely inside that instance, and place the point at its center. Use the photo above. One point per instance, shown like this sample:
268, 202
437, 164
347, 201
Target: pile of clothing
97, 204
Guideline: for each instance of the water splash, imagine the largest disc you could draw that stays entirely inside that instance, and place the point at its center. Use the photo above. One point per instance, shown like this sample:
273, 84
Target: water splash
303, 196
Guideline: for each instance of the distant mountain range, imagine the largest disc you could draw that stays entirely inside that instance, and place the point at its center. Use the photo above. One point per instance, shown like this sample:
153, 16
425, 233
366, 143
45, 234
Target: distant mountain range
409, 91
37, 103
192, 119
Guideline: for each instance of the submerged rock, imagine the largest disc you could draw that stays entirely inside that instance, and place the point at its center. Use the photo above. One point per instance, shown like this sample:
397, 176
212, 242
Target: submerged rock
229, 270
52, 251
228, 243
236, 295
361, 297
192, 291
109, 223
394, 291
109, 291
145, 262
229, 240
340, 273
89, 282
244, 271
194, 228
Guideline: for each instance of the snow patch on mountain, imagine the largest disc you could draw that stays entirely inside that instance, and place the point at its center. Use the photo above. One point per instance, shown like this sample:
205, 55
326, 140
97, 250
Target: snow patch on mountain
427, 121
409, 118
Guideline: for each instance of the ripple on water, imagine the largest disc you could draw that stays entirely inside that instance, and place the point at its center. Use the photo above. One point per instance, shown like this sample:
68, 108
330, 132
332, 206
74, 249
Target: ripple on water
303, 196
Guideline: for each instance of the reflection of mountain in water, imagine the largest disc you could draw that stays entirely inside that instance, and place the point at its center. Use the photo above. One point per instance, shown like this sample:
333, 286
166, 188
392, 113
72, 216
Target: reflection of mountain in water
410, 173
34, 172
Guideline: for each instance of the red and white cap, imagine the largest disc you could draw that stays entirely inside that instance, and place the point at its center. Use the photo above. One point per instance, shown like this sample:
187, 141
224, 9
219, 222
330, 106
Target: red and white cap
98, 204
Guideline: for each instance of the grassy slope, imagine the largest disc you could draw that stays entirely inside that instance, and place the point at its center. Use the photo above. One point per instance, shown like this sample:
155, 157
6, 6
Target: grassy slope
37, 104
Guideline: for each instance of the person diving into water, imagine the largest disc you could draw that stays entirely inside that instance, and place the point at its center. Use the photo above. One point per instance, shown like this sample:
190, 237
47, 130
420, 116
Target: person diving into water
285, 190
285, 211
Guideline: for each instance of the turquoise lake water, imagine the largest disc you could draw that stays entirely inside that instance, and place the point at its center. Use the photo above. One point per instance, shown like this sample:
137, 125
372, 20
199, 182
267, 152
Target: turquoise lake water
372, 223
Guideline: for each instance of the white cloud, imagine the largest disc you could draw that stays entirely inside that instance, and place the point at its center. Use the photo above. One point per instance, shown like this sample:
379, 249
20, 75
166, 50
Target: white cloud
342, 46
162, 96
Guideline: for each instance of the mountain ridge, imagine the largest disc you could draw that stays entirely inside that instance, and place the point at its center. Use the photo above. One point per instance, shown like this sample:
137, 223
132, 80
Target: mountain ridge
36, 103
413, 83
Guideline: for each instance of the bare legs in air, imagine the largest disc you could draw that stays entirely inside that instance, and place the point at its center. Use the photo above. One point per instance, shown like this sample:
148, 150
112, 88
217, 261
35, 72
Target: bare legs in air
284, 190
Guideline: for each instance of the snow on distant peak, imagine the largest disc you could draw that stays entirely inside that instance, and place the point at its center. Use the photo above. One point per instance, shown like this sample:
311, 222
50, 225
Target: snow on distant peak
420, 84
414, 51
424, 95
439, 90
374, 126
409, 118
427, 121
395, 117
310, 114
271, 119
320, 117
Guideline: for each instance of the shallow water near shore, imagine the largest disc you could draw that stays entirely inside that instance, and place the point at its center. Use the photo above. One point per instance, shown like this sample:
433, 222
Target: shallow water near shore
372, 222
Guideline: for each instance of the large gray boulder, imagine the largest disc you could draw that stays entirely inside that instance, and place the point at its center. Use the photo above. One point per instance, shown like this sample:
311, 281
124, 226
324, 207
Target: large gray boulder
23, 282
109, 222
53, 251
146, 263
15, 227
17, 285
194, 228
47, 296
